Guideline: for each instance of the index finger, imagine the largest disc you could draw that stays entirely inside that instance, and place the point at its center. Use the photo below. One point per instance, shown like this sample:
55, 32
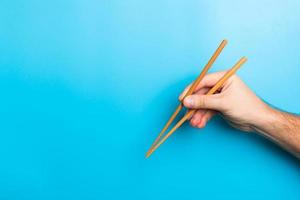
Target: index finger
209, 80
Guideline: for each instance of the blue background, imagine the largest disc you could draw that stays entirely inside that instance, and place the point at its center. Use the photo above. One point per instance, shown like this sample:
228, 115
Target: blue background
86, 85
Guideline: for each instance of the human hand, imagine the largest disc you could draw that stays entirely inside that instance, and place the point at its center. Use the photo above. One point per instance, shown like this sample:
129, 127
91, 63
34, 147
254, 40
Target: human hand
234, 101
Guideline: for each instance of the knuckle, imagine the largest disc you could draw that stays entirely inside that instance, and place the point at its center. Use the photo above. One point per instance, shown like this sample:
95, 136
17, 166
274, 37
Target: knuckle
236, 77
201, 102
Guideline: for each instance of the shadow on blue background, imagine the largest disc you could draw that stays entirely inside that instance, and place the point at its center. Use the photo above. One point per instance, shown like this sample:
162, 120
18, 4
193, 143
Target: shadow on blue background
87, 85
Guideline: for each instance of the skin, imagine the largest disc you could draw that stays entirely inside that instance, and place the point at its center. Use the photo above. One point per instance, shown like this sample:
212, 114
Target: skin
242, 109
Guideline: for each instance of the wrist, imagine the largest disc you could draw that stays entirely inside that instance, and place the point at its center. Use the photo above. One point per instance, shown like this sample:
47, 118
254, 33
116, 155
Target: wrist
266, 119
282, 128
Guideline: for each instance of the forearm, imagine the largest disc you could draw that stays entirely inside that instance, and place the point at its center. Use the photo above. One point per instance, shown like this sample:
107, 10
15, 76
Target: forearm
282, 128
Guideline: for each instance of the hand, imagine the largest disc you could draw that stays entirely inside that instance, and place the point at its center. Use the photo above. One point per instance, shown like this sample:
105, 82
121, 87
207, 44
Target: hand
243, 110
234, 101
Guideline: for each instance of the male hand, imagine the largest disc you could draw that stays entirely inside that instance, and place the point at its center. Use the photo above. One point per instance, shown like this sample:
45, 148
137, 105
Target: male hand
234, 101
243, 110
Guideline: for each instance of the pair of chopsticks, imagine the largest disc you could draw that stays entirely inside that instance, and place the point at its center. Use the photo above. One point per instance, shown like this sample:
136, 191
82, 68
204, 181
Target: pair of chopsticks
159, 140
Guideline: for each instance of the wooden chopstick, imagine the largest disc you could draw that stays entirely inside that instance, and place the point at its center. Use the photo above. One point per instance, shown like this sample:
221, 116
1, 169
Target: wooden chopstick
228, 74
191, 90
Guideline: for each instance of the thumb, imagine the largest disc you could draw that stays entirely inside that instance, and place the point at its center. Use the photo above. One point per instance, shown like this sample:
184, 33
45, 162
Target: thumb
212, 102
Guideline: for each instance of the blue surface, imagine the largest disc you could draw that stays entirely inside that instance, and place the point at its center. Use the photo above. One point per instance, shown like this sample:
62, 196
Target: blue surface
87, 85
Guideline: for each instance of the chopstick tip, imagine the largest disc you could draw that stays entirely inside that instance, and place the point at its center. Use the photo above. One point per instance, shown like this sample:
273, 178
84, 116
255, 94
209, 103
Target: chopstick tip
225, 41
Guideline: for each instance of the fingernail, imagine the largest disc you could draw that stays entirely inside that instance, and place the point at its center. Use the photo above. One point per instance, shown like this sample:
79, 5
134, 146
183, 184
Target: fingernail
189, 101
192, 124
